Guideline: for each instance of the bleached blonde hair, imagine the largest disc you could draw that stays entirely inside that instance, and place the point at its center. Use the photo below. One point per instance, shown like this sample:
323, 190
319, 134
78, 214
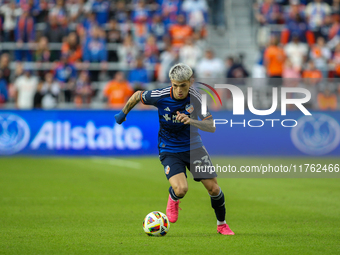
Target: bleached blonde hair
180, 72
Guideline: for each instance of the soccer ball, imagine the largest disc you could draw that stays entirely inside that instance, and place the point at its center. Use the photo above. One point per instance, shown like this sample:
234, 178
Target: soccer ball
156, 224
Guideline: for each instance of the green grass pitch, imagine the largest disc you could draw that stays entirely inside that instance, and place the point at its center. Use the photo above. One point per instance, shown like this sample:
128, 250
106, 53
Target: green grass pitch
96, 206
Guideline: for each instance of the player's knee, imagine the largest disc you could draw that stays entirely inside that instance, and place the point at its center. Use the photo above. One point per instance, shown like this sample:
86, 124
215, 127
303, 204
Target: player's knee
180, 191
214, 190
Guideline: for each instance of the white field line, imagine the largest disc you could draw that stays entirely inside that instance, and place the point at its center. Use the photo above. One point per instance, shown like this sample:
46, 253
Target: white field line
117, 162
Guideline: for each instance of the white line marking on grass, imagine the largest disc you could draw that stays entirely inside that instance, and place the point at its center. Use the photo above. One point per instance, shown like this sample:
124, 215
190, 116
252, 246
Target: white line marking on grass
117, 162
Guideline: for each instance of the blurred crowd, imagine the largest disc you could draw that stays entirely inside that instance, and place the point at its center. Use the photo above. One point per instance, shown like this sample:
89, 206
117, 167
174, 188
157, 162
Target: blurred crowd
80, 51
300, 43
141, 38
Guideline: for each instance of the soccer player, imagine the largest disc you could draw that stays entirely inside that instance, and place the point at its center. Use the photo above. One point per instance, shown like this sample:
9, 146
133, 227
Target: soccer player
179, 143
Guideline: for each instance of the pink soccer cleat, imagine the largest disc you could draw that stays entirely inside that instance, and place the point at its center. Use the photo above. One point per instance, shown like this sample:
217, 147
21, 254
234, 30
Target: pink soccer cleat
224, 230
172, 210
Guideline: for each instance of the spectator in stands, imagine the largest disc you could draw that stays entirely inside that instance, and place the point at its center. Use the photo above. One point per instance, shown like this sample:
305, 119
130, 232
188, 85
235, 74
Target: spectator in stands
320, 54
196, 13
336, 7
140, 17
311, 75
158, 29
120, 14
42, 52
95, 47
297, 52
72, 48
3, 89
140, 12
170, 9
269, 13
325, 28
65, 75
26, 86
210, 66
10, 13
327, 100
128, 52
180, 31
236, 71
190, 53
24, 33
138, 76
4, 67
43, 55
118, 91
51, 85
18, 71
336, 61
83, 91
113, 35
89, 23
291, 75
34, 7
43, 11
101, 8
297, 26
295, 8
74, 9
59, 11
38, 96
150, 48
274, 59
334, 30
316, 12
47, 93
95, 51
54, 31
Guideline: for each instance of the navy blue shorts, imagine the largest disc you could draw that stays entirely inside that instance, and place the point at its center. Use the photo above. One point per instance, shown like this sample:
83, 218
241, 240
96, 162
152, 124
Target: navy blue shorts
175, 163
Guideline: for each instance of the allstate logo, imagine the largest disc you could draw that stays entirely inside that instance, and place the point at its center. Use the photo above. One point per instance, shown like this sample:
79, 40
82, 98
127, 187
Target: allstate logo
14, 133
316, 135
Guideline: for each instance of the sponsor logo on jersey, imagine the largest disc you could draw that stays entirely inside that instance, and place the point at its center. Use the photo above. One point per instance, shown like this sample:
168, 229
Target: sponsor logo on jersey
166, 117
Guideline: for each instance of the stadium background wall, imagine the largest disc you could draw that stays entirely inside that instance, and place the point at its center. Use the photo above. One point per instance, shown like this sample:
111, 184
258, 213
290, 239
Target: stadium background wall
94, 133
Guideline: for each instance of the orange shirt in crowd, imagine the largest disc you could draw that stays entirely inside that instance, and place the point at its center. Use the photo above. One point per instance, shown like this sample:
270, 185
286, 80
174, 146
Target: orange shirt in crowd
316, 51
336, 60
313, 74
274, 58
74, 56
118, 93
179, 34
327, 102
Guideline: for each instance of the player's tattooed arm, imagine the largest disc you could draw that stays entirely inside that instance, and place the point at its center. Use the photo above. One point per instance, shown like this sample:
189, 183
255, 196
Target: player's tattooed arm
204, 125
133, 100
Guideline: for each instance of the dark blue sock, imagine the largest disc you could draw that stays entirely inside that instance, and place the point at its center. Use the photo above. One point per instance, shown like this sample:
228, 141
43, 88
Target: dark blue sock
173, 195
218, 203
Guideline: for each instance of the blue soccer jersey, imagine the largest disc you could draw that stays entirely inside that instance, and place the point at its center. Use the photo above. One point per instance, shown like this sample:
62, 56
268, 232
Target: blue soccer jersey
174, 136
